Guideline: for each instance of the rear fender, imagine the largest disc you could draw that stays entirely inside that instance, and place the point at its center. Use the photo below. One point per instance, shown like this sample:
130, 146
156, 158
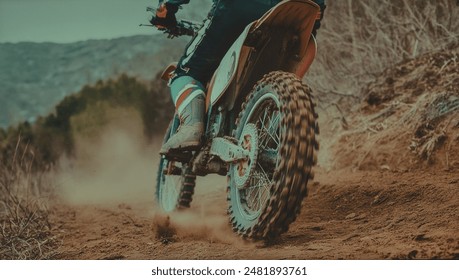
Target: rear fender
296, 15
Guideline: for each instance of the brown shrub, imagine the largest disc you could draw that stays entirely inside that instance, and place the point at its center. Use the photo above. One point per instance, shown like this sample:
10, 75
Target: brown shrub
25, 229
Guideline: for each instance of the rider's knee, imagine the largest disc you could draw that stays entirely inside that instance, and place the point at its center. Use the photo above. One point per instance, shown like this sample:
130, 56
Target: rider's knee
184, 86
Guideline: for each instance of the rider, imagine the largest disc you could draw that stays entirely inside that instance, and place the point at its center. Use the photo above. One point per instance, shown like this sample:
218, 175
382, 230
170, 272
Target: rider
224, 23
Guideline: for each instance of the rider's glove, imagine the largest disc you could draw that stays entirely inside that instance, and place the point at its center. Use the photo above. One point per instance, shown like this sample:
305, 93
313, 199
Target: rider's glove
165, 16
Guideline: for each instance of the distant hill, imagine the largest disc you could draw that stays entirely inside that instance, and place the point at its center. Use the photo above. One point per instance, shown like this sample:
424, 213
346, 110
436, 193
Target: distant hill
34, 77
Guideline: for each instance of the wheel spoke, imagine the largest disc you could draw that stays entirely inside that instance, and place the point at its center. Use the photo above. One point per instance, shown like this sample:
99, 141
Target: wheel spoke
262, 189
263, 135
269, 130
273, 129
258, 191
264, 174
170, 189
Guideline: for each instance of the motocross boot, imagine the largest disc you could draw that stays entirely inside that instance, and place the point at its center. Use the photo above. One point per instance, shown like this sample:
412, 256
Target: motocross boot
190, 106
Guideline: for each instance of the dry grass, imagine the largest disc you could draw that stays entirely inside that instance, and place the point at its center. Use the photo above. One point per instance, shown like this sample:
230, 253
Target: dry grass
25, 229
359, 39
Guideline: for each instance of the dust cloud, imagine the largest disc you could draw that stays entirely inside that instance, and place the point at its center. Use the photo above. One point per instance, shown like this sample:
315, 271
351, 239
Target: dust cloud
119, 168
116, 167
207, 219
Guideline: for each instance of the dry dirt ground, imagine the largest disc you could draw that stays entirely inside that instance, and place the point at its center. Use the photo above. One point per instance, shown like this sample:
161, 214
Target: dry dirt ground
361, 215
387, 186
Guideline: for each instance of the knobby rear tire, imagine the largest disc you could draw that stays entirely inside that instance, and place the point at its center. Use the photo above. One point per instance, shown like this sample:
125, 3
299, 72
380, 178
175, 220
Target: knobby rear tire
296, 155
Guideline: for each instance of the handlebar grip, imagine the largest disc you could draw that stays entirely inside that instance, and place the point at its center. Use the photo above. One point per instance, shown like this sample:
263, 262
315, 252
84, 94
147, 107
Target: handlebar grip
183, 27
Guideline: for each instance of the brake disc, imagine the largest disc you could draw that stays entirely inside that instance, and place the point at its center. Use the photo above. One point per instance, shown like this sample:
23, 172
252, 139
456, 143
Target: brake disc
245, 167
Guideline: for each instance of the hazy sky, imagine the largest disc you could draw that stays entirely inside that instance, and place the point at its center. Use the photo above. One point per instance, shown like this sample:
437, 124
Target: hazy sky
72, 20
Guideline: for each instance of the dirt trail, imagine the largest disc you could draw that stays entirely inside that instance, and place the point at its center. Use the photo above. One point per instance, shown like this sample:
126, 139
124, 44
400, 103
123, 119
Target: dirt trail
363, 215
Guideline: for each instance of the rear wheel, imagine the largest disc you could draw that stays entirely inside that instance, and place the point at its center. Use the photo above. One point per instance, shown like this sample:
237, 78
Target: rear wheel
175, 183
277, 125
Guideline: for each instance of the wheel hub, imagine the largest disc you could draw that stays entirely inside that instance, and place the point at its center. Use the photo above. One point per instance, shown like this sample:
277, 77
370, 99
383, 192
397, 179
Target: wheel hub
244, 168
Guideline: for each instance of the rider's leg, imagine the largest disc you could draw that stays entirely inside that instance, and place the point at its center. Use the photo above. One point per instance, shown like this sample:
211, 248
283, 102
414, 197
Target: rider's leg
224, 24
189, 99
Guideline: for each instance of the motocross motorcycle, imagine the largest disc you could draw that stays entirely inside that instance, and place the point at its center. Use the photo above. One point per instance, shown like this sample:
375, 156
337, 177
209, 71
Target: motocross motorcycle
260, 124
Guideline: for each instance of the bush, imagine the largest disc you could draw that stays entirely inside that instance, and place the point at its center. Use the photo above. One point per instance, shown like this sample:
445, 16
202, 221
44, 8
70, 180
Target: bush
85, 113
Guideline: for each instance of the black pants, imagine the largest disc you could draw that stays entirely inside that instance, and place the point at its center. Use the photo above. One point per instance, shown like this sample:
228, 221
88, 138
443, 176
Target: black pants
224, 24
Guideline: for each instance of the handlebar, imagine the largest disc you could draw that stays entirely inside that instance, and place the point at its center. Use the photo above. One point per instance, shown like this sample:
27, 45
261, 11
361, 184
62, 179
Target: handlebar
183, 27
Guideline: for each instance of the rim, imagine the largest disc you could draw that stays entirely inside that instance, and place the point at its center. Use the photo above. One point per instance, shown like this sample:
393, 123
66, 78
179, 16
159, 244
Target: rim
265, 115
169, 190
